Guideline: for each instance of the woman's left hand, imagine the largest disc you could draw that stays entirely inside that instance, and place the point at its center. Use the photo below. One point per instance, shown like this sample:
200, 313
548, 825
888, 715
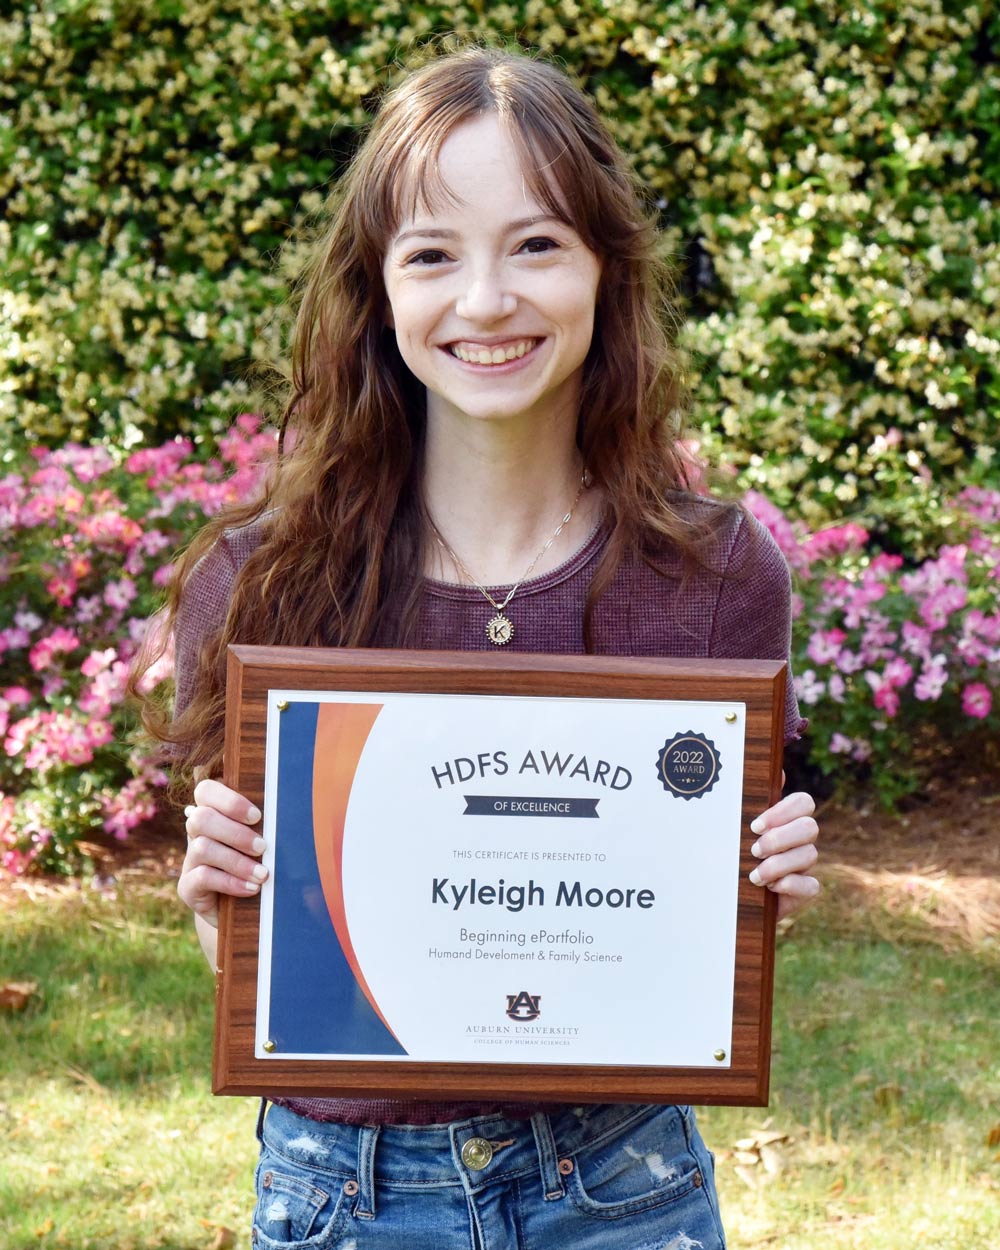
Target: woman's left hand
786, 848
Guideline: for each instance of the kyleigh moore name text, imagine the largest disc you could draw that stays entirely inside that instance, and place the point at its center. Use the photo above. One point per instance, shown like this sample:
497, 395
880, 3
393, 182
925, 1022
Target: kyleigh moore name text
517, 897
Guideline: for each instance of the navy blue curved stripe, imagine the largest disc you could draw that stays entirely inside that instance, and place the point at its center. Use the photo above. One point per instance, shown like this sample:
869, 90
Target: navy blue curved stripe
317, 1007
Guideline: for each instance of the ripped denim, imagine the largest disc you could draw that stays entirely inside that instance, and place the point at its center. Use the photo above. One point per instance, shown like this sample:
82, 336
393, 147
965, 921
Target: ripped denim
605, 1177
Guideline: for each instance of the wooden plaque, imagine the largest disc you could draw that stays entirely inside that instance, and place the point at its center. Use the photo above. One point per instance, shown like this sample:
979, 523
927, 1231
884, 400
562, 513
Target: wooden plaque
736, 710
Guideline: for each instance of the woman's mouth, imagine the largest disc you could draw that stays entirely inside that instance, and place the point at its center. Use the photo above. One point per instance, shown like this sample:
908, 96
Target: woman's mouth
497, 354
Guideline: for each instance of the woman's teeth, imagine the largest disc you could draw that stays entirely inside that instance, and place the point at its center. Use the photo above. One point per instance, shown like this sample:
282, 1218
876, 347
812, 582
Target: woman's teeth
492, 355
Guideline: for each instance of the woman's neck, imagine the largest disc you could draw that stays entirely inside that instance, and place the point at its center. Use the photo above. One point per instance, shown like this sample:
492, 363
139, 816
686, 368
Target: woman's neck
496, 500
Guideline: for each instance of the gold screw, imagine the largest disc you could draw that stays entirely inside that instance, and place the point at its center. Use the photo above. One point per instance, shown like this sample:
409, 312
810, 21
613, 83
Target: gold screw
270, 1046
730, 718
720, 1055
282, 705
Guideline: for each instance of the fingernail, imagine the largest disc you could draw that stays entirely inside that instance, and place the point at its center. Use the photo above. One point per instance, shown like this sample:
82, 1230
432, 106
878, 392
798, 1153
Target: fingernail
190, 810
253, 815
260, 872
755, 877
757, 826
259, 846
755, 850
252, 886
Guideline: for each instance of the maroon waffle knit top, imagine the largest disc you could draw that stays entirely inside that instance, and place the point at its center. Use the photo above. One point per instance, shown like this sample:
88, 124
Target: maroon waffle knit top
739, 607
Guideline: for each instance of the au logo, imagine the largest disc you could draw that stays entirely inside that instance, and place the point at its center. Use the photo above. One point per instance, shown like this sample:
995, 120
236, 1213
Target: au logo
523, 1006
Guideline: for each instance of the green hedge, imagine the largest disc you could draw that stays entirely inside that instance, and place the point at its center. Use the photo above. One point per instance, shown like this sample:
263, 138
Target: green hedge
827, 176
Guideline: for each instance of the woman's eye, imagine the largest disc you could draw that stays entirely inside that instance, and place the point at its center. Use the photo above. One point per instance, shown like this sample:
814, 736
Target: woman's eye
432, 256
538, 245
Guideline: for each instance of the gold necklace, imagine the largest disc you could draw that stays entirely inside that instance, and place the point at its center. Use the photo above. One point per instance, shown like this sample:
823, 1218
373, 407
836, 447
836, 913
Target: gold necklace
500, 628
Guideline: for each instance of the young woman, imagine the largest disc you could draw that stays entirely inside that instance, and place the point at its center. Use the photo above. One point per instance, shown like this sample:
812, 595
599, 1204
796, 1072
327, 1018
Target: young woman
485, 401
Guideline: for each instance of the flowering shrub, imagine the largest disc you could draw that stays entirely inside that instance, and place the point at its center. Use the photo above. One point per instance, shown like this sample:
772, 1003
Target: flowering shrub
883, 653
888, 658
89, 537
827, 176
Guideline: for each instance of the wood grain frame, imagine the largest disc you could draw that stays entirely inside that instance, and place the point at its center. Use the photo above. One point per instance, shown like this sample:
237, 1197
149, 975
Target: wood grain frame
760, 684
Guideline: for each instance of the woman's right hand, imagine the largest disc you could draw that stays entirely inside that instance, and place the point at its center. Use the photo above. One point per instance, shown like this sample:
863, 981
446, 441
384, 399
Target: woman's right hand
223, 854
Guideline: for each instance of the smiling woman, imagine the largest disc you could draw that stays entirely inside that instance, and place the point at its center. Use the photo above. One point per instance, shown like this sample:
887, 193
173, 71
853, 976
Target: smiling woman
486, 406
491, 297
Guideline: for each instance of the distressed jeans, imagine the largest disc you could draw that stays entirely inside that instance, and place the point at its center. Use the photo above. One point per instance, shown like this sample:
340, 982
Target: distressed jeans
604, 1177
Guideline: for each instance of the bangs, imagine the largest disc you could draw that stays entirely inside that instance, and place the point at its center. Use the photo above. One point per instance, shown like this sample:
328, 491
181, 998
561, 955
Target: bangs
415, 184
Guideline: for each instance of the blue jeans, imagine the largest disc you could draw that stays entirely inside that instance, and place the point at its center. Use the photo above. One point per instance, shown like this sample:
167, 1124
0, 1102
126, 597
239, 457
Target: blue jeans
596, 1177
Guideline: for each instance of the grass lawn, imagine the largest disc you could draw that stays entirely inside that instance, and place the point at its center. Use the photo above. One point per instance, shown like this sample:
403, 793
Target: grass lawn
883, 1130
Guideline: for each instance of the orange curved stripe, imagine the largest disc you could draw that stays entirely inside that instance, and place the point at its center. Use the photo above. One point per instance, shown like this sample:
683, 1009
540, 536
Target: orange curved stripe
342, 731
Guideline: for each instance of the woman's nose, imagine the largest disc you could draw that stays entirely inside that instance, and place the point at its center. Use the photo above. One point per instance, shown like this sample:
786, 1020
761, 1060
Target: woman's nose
486, 297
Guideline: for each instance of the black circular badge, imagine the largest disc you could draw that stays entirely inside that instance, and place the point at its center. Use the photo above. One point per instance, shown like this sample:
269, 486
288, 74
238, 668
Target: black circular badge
689, 765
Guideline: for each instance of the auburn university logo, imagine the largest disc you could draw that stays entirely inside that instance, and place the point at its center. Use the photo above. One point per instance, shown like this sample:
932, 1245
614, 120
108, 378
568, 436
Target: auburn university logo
523, 1006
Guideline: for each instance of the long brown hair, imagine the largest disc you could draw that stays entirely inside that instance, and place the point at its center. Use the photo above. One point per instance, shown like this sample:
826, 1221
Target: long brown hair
342, 519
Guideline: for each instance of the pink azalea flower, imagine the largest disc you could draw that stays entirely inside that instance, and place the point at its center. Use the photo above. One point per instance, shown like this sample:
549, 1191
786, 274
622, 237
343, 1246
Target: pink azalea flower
58, 642
835, 541
110, 530
884, 694
937, 608
897, 672
783, 531
97, 661
119, 595
981, 503
62, 588
849, 661
972, 651
71, 502
836, 687
824, 646
887, 700
154, 542
88, 463
88, 609
932, 680
987, 627
130, 807
13, 639
51, 477
878, 633
808, 688
977, 701
105, 690
99, 732
857, 600
917, 640
159, 671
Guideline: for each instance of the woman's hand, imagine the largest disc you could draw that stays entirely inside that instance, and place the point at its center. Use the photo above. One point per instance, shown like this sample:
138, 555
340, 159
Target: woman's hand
223, 855
786, 848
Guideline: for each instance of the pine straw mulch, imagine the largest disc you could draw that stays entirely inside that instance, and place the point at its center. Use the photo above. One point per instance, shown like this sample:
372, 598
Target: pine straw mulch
929, 872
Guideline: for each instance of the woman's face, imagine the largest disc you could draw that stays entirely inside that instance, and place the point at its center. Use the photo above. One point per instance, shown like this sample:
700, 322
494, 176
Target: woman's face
492, 299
